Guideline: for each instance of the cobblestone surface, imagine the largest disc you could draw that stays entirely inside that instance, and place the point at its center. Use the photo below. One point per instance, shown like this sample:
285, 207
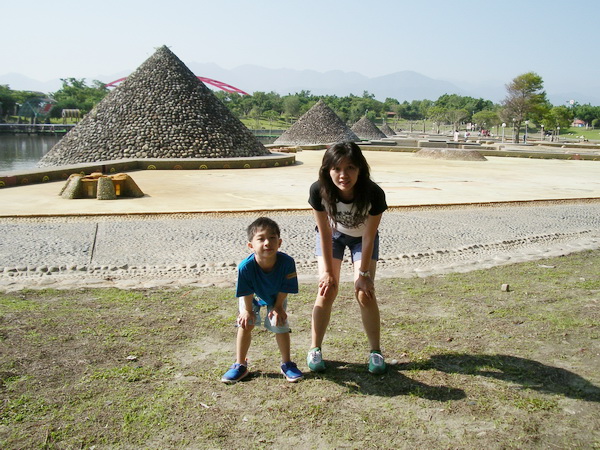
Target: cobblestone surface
204, 249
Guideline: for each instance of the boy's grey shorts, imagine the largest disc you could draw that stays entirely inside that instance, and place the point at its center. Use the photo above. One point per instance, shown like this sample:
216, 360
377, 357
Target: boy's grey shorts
266, 322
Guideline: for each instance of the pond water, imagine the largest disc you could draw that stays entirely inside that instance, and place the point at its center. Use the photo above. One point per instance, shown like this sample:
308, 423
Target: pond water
21, 152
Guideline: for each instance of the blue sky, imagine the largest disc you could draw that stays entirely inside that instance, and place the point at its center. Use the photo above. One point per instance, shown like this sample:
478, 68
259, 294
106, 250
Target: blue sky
475, 41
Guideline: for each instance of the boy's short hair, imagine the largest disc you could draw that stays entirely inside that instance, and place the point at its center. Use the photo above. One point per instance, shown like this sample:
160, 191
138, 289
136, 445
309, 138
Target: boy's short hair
262, 223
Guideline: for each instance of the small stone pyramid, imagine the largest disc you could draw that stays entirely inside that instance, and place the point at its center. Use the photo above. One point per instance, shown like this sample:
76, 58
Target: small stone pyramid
366, 130
319, 125
162, 110
387, 130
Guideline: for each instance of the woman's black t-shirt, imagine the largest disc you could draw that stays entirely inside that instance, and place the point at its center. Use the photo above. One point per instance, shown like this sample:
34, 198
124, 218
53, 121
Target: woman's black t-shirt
347, 220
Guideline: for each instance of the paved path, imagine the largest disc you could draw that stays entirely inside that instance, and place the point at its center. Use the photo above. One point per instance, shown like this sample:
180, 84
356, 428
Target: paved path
203, 249
173, 236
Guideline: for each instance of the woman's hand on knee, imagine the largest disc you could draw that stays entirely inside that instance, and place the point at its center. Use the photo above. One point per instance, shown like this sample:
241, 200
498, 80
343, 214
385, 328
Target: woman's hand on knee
364, 286
327, 284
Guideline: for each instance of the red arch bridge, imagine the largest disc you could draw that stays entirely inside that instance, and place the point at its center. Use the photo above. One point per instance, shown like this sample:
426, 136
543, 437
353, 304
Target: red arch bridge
223, 86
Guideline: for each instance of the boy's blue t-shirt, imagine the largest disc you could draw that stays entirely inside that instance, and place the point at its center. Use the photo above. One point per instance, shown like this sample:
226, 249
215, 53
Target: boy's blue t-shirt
265, 286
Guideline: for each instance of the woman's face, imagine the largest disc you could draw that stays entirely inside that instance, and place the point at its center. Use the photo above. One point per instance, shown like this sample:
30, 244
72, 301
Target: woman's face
344, 176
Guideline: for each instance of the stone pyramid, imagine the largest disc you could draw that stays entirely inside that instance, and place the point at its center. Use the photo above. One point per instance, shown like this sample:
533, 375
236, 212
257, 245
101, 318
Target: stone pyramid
319, 125
162, 110
387, 130
366, 130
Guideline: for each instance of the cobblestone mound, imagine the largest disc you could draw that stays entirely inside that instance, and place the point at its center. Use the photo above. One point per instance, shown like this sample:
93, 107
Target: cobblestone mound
319, 125
387, 130
162, 110
367, 130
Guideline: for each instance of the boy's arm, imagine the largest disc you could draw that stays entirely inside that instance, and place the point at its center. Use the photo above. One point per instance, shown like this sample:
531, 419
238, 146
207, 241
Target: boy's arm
278, 312
246, 316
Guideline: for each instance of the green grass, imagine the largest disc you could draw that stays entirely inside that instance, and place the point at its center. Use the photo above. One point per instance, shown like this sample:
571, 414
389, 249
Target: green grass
476, 367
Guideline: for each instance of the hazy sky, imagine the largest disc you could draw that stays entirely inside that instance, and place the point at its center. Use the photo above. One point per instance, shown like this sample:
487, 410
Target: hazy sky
468, 40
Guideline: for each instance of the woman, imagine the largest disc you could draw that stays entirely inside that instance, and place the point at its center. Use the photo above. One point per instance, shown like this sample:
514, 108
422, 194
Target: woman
347, 207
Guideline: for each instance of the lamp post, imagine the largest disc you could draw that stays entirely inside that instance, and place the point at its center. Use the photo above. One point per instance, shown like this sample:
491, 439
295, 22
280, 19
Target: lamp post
514, 135
503, 128
557, 133
542, 132
525, 136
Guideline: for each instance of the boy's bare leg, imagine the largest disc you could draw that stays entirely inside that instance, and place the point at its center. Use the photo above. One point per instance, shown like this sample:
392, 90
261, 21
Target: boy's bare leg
244, 338
283, 342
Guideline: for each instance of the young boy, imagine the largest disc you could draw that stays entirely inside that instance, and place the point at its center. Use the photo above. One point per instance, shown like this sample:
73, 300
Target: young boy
264, 279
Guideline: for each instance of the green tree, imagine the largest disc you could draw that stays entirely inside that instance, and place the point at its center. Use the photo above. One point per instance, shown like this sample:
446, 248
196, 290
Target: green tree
291, 107
525, 100
486, 119
458, 102
587, 113
558, 117
76, 94
456, 116
7, 101
438, 115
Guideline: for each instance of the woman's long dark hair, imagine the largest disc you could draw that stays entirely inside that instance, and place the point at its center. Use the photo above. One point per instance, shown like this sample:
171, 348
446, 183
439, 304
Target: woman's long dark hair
329, 192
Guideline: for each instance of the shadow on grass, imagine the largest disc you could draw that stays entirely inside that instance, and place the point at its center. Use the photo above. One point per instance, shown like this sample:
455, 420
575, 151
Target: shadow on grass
356, 378
525, 372
511, 369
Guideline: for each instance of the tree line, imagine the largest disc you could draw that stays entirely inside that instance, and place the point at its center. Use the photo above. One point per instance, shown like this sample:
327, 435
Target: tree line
525, 102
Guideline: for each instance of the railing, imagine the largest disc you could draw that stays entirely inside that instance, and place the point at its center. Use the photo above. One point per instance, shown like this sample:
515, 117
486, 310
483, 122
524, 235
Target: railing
35, 128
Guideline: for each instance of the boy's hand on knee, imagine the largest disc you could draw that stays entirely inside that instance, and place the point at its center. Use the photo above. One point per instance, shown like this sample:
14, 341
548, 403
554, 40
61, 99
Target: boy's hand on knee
278, 317
246, 319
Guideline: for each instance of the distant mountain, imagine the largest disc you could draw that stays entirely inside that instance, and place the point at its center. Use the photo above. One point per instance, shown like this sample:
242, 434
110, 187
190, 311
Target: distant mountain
19, 82
405, 85
408, 85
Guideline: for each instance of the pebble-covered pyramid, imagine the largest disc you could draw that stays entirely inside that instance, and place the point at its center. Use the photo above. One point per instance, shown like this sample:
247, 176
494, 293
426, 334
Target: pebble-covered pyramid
387, 130
319, 125
162, 110
366, 130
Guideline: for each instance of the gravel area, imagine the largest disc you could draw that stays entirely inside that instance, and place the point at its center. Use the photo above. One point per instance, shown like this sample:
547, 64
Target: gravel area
146, 251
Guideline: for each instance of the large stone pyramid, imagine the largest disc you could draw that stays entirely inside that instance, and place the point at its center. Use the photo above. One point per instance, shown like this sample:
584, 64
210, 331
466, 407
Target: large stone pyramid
367, 130
162, 110
319, 125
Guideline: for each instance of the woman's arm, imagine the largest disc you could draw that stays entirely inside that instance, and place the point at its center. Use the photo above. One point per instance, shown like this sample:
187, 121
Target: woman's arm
327, 278
362, 283
368, 241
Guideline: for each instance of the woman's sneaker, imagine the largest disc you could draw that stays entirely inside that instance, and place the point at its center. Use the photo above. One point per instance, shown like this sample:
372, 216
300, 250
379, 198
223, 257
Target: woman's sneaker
314, 360
376, 363
291, 372
235, 373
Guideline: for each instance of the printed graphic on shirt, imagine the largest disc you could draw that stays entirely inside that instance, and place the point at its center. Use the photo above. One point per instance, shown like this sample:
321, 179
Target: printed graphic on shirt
348, 219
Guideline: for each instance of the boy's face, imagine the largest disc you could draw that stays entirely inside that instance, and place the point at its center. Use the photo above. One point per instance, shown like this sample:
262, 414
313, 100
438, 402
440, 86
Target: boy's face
265, 243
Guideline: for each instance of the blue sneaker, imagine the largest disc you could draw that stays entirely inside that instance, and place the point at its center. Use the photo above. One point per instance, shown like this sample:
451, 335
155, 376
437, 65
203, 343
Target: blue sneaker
291, 372
235, 373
